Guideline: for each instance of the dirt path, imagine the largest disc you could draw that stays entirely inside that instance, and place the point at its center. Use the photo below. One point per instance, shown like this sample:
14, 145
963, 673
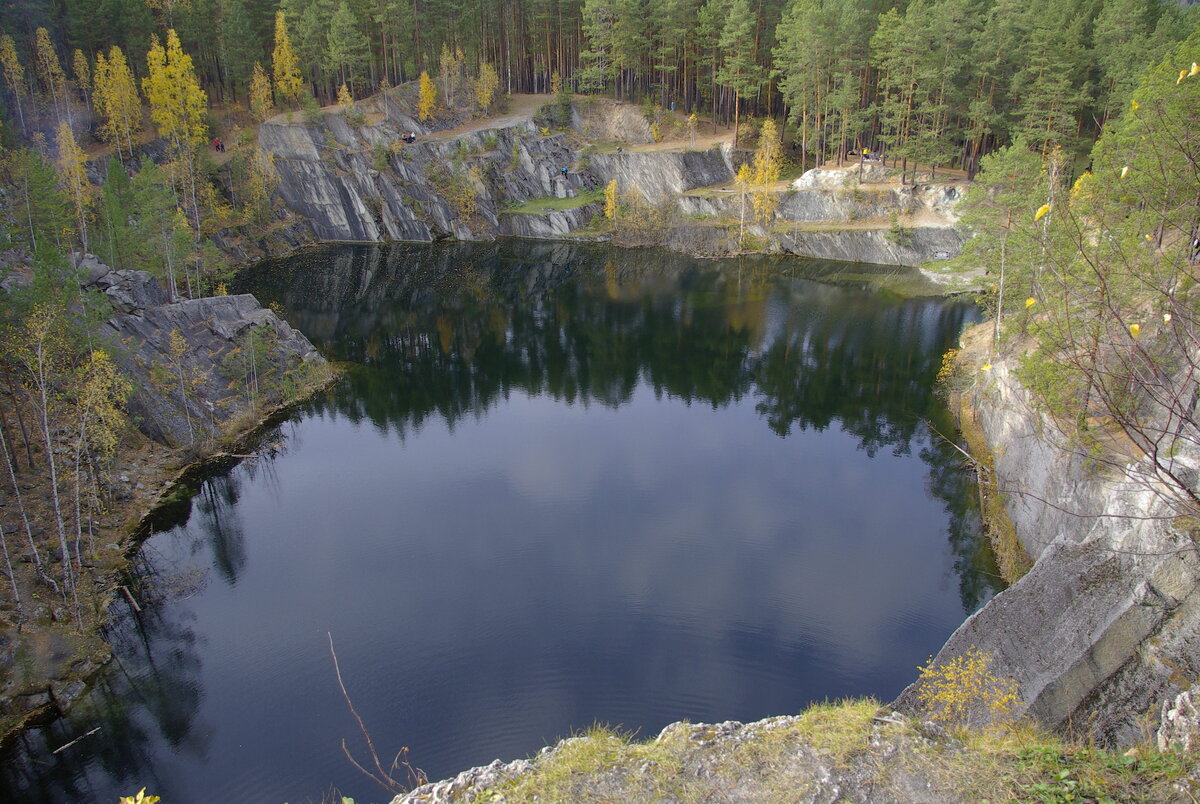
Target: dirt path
520, 109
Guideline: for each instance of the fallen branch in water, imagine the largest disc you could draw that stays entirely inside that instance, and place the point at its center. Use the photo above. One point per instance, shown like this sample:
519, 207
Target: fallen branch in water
77, 739
416, 776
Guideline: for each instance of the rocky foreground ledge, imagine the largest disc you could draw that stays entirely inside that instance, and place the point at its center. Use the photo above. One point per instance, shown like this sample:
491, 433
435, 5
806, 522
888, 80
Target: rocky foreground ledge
847, 752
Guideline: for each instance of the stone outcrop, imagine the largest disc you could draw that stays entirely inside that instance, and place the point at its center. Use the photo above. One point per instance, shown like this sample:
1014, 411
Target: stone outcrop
768, 760
1106, 624
188, 386
662, 175
914, 246
550, 225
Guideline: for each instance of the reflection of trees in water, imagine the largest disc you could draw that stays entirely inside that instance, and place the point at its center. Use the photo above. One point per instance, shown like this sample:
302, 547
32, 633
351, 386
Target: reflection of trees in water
150, 687
151, 690
448, 331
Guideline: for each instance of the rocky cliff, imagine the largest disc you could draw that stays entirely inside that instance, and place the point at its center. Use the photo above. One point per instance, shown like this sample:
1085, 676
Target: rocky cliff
1106, 624
352, 178
197, 365
362, 183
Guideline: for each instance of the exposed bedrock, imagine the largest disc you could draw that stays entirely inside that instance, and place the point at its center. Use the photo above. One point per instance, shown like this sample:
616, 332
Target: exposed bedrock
362, 183
191, 362
1106, 625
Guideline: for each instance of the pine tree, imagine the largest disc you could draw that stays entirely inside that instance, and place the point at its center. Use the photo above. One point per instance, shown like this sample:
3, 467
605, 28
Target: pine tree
739, 69
114, 234
348, 54
596, 62
284, 65
40, 213
239, 45
161, 237
1051, 83
998, 211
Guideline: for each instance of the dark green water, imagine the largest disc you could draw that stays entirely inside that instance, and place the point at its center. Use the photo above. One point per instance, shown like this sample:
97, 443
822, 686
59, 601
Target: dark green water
557, 485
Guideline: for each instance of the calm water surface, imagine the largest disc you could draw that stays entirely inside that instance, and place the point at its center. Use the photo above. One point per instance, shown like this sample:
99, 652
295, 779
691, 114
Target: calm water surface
557, 485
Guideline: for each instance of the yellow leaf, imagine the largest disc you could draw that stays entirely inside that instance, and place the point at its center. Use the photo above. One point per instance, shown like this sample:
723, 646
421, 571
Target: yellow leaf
1030, 302
1182, 75
986, 367
1041, 213
1135, 329
1195, 69
1124, 171
1134, 104
1149, 238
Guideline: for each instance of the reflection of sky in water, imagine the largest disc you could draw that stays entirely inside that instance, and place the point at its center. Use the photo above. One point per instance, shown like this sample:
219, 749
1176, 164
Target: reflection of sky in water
546, 566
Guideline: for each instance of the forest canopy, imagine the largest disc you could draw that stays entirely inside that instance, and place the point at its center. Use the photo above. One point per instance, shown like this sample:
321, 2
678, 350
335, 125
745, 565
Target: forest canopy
938, 81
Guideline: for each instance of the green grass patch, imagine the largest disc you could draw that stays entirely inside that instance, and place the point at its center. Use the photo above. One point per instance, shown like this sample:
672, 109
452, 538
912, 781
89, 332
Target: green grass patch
539, 206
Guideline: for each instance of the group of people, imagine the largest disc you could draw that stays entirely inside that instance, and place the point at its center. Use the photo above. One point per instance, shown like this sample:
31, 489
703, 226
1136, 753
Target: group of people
218, 145
409, 138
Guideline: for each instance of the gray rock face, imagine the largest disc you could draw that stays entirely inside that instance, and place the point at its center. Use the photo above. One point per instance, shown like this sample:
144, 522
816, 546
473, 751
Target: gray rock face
1106, 625
550, 224
185, 395
360, 184
919, 245
660, 175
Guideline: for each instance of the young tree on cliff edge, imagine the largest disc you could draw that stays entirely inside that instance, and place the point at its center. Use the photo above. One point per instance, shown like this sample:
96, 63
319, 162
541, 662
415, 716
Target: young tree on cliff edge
768, 164
73, 175
998, 211
261, 104
426, 96
50, 73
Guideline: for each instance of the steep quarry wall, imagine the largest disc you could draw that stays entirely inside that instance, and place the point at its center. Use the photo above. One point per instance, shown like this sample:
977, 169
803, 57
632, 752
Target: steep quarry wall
187, 395
360, 183
1106, 625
